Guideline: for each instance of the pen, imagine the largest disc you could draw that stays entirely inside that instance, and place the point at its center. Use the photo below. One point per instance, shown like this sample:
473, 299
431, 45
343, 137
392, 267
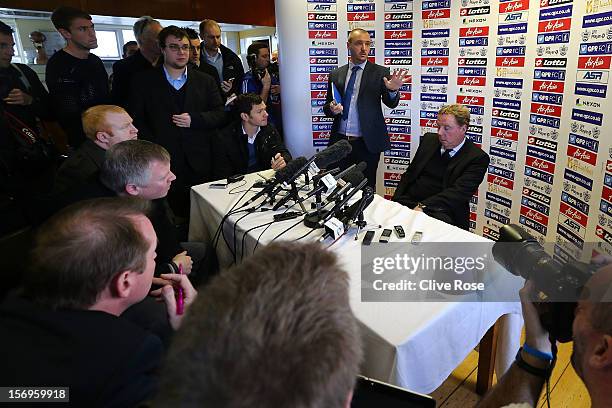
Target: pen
180, 299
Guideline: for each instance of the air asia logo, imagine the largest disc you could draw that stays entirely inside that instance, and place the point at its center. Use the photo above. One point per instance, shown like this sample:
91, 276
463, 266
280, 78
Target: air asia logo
475, 11
474, 32
398, 35
500, 181
513, 6
554, 25
504, 134
510, 61
539, 164
551, 62
322, 34
435, 14
319, 77
470, 100
599, 62
437, 61
548, 110
471, 81
360, 16
534, 215
582, 155
318, 94
549, 86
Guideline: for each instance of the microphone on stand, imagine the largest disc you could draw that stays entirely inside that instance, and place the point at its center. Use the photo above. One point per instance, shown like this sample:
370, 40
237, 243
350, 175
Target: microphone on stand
281, 176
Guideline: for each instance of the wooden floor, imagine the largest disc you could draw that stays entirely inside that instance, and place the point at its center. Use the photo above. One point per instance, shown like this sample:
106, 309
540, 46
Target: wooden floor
566, 389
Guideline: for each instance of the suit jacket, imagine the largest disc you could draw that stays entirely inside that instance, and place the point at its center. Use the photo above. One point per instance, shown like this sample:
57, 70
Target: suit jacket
152, 106
371, 90
231, 153
123, 74
104, 359
232, 68
79, 167
463, 175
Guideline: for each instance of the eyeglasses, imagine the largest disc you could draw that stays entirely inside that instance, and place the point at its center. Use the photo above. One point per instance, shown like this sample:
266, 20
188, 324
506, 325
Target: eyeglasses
195, 48
176, 47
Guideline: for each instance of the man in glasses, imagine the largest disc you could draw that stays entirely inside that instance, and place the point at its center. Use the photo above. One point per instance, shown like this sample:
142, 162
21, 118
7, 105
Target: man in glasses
446, 170
178, 107
194, 46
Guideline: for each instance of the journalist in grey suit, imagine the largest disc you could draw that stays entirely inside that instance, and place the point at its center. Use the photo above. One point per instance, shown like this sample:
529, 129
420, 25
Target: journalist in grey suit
354, 93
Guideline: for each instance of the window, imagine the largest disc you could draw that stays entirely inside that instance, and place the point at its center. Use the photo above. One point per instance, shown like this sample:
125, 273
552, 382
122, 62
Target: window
107, 45
128, 35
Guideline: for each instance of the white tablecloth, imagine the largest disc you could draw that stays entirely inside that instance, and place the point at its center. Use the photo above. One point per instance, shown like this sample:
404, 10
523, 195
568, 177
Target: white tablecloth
413, 345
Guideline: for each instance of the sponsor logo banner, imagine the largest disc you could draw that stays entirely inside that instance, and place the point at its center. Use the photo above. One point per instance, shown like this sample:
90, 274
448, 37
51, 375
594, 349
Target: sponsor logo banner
472, 62
322, 26
578, 179
554, 38
565, 233
442, 32
428, 5
474, 42
505, 124
322, 34
435, 61
435, 14
551, 62
597, 48
599, 62
471, 81
439, 52
583, 142
507, 29
404, 25
600, 77
541, 153
474, 32
323, 60
510, 61
496, 217
398, 34
321, 7
506, 114
558, 12
513, 6
429, 79
575, 202
354, 8
506, 104
548, 110
596, 20
534, 226
582, 155
550, 3
549, 86
398, 53
470, 100
319, 77
433, 97
320, 52
475, 11
508, 83
596, 91
499, 199
534, 205
398, 16
545, 121
322, 16
539, 164
504, 134
472, 71
551, 26
521, 16
593, 118
398, 6
534, 215
504, 154
551, 74
318, 86
510, 51
361, 16
538, 175
398, 43
398, 61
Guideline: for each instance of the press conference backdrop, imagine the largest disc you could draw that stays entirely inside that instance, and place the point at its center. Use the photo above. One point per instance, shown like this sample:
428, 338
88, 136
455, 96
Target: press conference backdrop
534, 75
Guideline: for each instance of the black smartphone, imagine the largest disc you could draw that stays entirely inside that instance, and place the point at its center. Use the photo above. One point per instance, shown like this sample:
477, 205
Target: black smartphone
367, 239
384, 237
399, 231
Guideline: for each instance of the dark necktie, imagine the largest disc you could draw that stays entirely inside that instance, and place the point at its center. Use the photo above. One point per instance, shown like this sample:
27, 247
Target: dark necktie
446, 155
346, 101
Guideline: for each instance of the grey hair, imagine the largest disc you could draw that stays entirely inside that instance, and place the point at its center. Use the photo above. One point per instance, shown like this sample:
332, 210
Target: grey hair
140, 25
129, 162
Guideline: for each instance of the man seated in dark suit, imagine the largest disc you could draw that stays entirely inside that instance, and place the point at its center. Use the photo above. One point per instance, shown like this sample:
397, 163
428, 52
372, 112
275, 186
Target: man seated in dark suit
446, 170
104, 126
249, 143
179, 108
89, 263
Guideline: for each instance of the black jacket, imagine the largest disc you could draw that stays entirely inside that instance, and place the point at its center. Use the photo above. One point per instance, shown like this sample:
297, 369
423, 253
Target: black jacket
232, 68
123, 73
152, 106
79, 167
463, 175
104, 359
371, 91
231, 152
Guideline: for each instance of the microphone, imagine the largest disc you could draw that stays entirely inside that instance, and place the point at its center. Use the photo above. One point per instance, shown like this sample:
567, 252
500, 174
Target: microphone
356, 209
281, 176
333, 154
351, 178
336, 208
352, 175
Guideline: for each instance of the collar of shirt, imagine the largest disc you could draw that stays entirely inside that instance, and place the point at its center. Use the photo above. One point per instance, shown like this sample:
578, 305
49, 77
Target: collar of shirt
251, 139
362, 65
454, 150
178, 82
214, 58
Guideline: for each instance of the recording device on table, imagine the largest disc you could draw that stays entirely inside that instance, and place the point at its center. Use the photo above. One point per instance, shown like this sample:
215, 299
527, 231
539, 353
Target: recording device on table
561, 284
230, 180
370, 393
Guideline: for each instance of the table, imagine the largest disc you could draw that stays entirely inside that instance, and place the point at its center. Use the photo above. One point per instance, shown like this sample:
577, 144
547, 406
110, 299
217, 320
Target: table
413, 345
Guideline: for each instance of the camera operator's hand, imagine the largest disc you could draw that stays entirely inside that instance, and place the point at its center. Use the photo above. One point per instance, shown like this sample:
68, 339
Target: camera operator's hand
535, 335
18, 97
266, 80
182, 120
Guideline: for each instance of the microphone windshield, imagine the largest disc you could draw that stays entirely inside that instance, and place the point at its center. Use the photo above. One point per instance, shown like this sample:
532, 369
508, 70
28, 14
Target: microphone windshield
290, 169
333, 154
354, 176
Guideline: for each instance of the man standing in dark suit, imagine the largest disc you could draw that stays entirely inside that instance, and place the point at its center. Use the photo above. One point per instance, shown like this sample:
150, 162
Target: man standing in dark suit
219, 61
361, 85
146, 30
446, 170
249, 143
178, 107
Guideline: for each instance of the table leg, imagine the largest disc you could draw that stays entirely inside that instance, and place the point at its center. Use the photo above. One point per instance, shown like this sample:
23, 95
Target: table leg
486, 360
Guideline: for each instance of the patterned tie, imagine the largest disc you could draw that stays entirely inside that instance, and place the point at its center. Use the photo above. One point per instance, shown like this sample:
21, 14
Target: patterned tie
346, 101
